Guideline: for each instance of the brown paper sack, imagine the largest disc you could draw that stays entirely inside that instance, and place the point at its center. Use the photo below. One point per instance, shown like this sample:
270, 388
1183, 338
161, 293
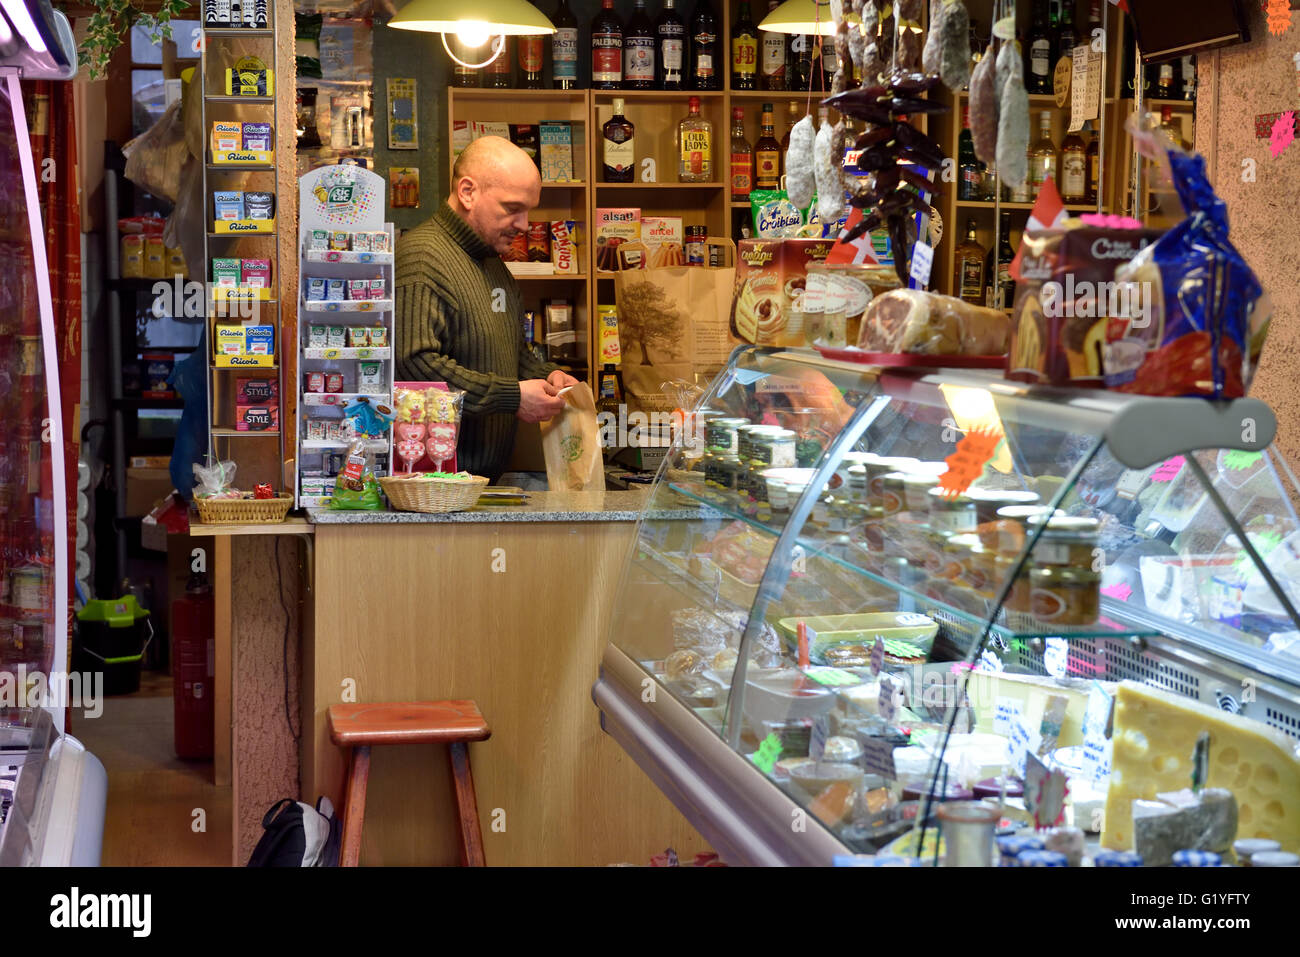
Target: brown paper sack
673, 323
571, 444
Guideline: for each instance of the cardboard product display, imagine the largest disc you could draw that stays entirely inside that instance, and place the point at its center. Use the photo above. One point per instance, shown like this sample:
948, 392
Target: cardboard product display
771, 275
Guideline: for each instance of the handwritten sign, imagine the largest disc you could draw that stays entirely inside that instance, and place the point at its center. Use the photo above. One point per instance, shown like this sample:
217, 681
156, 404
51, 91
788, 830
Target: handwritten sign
768, 751
1278, 13
1168, 470
922, 261
887, 702
1005, 713
1044, 793
966, 464
1282, 133
878, 757
1085, 85
1096, 746
877, 655
1056, 656
821, 730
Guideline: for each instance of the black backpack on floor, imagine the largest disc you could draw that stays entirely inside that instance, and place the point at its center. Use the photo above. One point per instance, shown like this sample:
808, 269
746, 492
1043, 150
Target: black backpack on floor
298, 835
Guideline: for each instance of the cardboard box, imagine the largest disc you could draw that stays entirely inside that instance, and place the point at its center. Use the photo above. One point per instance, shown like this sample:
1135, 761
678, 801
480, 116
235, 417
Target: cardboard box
1064, 301
557, 153
614, 226
144, 487
771, 275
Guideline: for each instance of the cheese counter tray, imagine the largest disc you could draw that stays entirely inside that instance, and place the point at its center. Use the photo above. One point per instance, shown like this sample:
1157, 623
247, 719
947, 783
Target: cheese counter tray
911, 603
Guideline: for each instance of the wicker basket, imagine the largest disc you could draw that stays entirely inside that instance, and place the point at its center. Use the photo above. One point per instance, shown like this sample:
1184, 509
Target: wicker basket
433, 494
243, 511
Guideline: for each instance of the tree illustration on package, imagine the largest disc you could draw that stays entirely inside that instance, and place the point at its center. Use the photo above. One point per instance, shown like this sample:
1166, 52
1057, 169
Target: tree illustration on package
647, 319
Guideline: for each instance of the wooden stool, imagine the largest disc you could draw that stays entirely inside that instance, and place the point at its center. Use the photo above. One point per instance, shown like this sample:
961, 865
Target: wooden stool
454, 723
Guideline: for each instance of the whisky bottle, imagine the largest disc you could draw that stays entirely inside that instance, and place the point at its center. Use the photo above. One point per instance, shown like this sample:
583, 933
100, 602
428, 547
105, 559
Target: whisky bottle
694, 146
744, 50
620, 146
773, 55
742, 158
767, 153
1042, 156
968, 267
1074, 169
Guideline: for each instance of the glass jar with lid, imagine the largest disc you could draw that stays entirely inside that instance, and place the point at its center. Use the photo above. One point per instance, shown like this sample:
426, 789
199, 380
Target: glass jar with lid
877, 469
720, 434
1066, 541
1018, 599
1010, 532
1065, 595
951, 513
989, 500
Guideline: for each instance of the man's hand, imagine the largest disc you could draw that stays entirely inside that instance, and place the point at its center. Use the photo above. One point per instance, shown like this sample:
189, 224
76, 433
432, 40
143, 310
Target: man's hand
559, 379
538, 401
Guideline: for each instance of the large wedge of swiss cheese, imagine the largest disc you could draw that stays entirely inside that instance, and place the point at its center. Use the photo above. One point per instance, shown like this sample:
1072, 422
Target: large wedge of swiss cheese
1154, 735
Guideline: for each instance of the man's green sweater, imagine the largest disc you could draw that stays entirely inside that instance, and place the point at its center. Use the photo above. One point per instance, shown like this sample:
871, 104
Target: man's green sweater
458, 319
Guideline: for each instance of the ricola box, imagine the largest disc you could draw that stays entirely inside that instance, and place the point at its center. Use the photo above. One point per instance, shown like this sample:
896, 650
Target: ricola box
1064, 300
771, 275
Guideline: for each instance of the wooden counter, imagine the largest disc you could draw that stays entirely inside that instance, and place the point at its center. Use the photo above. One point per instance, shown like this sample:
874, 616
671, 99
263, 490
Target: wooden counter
514, 615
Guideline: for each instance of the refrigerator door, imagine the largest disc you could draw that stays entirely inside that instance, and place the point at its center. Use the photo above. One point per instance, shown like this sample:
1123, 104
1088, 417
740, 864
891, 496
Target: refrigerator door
33, 496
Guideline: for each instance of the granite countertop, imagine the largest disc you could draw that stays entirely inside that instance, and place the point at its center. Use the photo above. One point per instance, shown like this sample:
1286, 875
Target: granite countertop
611, 506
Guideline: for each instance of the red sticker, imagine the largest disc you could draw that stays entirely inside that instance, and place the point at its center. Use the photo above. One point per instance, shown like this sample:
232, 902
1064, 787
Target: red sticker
1168, 469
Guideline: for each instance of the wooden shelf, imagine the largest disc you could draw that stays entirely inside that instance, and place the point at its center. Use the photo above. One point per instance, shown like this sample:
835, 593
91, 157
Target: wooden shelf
988, 204
238, 32
223, 98
236, 433
663, 185
474, 92
673, 95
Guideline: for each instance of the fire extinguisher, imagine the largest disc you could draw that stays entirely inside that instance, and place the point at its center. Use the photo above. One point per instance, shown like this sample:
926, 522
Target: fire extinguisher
193, 651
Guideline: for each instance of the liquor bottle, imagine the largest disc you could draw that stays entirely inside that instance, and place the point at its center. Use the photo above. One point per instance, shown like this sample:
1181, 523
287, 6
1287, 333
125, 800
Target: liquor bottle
999, 287
1094, 15
620, 148
532, 61
830, 63
609, 390
773, 55
465, 76
564, 48
799, 62
744, 50
1074, 169
1042, 155
1065, 38
670, 32
1189, 78
1092, 156
767, 153
968, 165
968, 267
1165, 82
704, 48
694, 146
639, 50
606, 48
499, 73
1038, 69
1175, 130
742, 158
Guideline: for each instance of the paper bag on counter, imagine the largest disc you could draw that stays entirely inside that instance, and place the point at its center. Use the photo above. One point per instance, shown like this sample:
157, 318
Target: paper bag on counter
571, 444
673, 323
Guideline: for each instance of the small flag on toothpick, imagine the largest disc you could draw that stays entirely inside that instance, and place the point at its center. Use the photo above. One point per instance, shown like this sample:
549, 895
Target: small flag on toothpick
858, 251
1122, 4
1048, 211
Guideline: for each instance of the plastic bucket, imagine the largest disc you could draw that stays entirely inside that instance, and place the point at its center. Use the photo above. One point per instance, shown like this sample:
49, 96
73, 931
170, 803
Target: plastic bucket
112, 637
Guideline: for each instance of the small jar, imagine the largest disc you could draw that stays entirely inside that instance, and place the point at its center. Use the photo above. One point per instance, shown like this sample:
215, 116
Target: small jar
877, 470
695, 240
728, 471
1065, 542
978, 569
1013, 845
843, 513
1062, 595
951, 513
776, 448
857, 484
890, 492
850, 461
916, 492
1013, 523
989, 500
720, 434
1019, 598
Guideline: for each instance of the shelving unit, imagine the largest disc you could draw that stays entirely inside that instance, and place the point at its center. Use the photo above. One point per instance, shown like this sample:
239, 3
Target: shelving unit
257, 462
347, 199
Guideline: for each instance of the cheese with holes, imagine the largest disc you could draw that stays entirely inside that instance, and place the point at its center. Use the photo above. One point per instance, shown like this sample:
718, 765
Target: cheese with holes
1155, 733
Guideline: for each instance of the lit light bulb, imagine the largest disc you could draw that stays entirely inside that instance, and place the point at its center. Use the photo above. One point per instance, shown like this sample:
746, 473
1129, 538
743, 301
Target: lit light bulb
472, 33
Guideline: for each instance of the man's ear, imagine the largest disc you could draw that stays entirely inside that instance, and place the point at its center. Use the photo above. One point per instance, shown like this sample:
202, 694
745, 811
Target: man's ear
466, 189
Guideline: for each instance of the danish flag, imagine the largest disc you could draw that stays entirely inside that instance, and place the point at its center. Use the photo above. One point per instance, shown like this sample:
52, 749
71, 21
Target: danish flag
1122, 4
858, 251
1048, 211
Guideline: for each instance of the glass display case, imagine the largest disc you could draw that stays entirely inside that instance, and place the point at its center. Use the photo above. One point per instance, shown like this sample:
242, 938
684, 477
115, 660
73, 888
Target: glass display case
860, 594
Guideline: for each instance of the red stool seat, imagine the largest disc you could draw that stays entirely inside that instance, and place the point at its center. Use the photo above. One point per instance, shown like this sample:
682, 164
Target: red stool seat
454, 723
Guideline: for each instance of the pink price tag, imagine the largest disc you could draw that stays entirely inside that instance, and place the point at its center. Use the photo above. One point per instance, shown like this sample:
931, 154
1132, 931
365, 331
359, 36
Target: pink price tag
1168, 469
1120, 591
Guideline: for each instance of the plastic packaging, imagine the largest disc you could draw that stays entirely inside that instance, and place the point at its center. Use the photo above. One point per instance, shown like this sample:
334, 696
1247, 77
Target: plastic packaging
355, 488
215, 481
1203, 316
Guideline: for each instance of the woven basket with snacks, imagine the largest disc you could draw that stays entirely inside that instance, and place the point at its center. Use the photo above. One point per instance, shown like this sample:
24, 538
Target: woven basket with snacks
425, 492
243, 511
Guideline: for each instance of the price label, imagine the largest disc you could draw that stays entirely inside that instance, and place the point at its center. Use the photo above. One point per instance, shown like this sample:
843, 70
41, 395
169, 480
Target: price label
1168, 470
966, 464
821, 730
1236, 459
1044, 793
887, 703
766, 755
1096, 746
826, 675
1056, 656
922, 261
878, 757
1005, 713
878, 656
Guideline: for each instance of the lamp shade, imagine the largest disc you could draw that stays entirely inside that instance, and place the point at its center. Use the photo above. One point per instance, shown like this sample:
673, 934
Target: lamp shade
800, 16
494, 17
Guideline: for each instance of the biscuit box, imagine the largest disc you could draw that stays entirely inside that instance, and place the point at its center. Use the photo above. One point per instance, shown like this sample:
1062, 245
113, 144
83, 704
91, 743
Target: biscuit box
256, 418
257, 390
1064, 299
771, 275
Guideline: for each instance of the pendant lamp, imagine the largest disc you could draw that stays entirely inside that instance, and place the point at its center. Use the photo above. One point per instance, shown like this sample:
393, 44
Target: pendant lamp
474, 22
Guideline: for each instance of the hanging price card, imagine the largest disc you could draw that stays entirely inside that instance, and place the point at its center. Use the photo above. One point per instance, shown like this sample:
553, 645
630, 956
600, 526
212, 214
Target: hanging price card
965, 465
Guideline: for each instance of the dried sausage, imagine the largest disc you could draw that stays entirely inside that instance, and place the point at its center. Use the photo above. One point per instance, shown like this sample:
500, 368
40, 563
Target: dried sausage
799, 181
984, 108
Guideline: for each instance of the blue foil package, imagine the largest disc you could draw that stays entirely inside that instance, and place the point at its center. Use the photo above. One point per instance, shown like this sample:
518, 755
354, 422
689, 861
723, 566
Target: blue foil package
1196, 315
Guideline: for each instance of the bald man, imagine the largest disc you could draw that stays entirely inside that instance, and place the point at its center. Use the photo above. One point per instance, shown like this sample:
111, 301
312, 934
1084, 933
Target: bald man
459, 311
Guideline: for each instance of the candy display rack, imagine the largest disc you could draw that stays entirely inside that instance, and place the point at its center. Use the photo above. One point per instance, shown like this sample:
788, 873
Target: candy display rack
340, 201
237, 71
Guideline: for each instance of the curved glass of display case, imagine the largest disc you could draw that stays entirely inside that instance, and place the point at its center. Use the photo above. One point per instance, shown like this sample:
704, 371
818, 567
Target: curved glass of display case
859, 593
